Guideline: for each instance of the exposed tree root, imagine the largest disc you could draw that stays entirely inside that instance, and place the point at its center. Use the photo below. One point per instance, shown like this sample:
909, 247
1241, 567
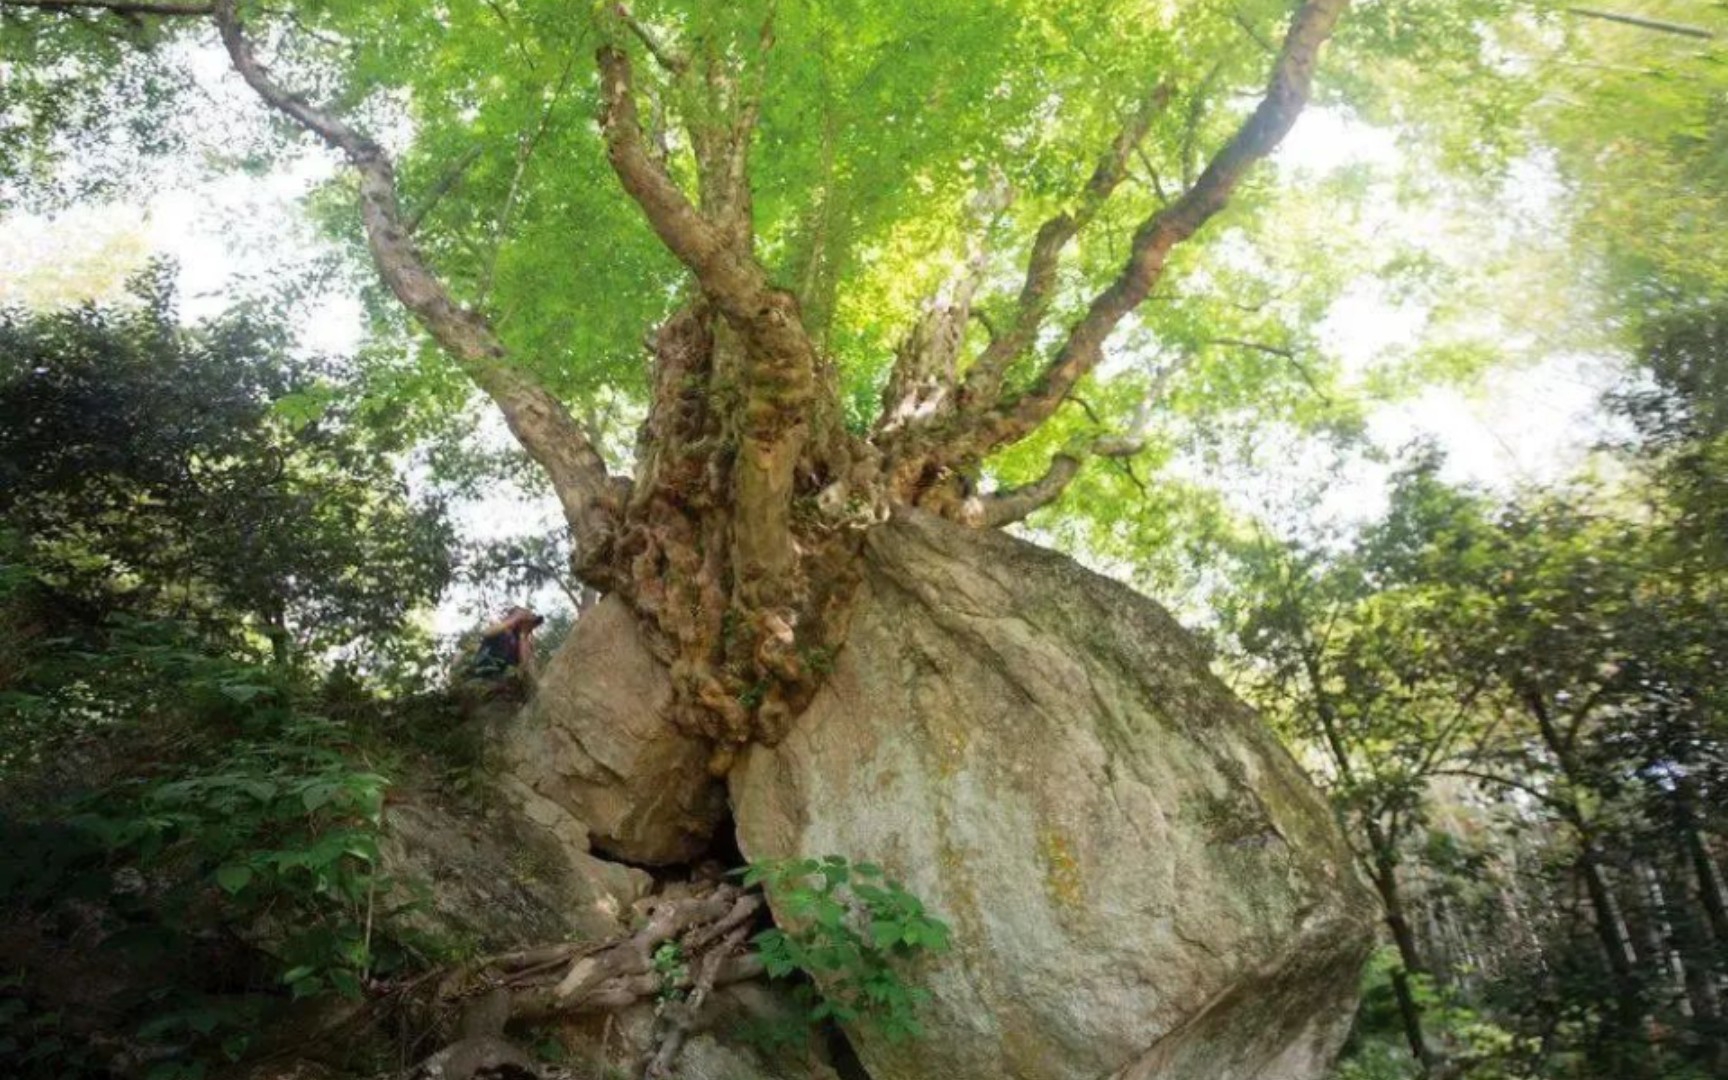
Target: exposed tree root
708, 929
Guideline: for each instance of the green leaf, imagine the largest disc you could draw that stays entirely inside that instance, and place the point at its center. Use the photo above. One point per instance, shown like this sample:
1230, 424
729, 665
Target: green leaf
242, 692
346, 983
886, 932
233, 877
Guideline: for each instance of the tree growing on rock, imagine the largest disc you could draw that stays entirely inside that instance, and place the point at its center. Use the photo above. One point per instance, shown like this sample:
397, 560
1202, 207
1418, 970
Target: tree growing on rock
772, 157
843, 264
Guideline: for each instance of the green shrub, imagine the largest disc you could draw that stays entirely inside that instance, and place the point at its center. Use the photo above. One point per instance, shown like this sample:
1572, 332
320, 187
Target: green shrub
852, 930
217, 805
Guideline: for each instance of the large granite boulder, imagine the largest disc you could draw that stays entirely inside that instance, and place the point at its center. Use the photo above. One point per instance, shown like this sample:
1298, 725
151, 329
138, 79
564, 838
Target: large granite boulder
595, 759
1141, 882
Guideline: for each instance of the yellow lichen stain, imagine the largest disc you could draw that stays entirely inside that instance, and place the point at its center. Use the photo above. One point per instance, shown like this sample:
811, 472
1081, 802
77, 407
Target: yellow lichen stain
1061, 870
962, 899
953, 754
948, 751
1021, 1046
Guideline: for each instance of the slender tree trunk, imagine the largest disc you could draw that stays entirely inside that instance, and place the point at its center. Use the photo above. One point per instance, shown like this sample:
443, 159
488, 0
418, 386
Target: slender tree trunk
1712, 894
1705, 940
1660, 947
1410, 962
1383, 870
1608, 920
276, 629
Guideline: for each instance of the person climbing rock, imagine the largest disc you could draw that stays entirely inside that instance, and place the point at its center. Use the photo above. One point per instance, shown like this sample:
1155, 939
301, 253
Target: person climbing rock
507, 646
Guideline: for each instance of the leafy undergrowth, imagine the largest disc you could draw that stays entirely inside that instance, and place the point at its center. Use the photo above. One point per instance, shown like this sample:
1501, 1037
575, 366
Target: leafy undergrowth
854, 931
194, 823
192, 843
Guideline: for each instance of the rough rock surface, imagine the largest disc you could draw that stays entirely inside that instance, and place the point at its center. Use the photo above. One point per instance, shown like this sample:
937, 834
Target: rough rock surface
1141, 882
594, 759
496, 882
616, 1046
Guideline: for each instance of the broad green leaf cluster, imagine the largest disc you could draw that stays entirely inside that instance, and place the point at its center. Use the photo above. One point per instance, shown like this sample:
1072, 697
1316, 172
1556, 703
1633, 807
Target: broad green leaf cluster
853, 930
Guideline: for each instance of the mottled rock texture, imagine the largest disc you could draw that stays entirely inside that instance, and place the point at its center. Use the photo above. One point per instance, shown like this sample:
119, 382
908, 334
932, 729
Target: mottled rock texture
1141, 882
604, 1047
495, 882
594, 758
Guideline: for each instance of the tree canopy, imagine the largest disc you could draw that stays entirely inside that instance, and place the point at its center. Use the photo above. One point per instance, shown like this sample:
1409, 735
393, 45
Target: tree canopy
744, 280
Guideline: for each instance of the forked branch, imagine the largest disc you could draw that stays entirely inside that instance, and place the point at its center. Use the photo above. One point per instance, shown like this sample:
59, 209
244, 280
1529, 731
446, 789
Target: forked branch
984, 378
726, 270
1006, 507
1287, 94
779, 361
538, 419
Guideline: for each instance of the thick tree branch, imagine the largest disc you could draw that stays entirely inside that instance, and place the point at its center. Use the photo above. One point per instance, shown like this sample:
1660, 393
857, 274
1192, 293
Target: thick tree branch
1660, 26
984, 379
1016, 504
538, 419
780, 364
119, 7
730, 277
922, 382
1288, 92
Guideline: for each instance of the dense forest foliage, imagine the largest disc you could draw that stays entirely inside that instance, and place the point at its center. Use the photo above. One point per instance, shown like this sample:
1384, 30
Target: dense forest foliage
231, 568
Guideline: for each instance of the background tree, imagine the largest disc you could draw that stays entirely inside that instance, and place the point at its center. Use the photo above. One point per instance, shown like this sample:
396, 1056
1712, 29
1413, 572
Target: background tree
1339, 648
1540, 718
205, 474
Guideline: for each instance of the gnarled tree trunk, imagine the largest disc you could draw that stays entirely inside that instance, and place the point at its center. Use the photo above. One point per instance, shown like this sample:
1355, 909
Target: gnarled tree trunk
736, 539
737, 546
